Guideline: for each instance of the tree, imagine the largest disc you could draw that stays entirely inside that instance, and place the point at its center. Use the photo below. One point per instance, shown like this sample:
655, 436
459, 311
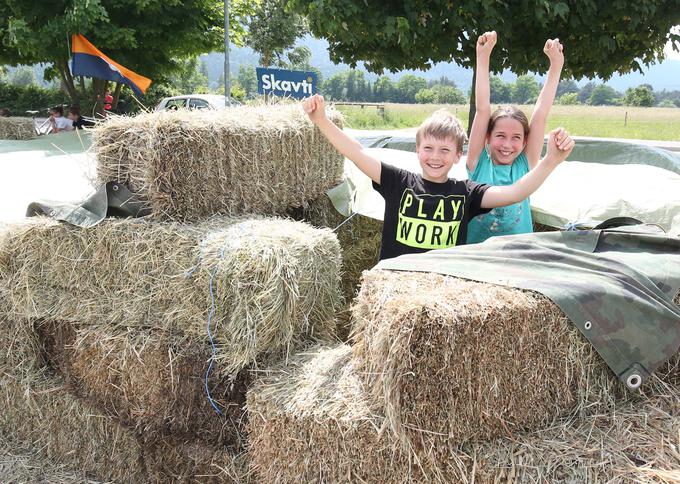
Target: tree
148, 36
335, 88
385, 90
566, 87
568, 99
272, 31
189, 78
603, 95
247, 79
639, 96
22, 76
585, 92
448, 95
408, 85
666, 103
600, 37
500, 91
525, 90
426, 96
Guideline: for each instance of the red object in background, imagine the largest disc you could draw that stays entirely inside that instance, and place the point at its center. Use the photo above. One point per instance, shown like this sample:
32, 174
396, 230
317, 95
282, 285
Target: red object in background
108, 99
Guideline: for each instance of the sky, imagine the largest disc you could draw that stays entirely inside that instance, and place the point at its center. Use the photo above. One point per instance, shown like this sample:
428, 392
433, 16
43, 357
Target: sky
670, 53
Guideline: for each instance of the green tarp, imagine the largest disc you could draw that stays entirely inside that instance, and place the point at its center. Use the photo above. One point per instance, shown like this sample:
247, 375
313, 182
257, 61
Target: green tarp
617, 286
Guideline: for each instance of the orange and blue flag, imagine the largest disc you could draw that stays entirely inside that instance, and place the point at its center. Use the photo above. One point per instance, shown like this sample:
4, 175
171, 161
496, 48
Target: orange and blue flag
89, 61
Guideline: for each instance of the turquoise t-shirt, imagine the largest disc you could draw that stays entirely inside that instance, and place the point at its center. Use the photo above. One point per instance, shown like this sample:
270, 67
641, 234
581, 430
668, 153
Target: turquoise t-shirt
513, 219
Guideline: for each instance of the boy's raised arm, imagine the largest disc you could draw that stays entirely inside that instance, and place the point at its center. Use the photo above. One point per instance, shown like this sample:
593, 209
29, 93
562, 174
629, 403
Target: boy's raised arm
560, 145
539, 118
485, 44
350, 148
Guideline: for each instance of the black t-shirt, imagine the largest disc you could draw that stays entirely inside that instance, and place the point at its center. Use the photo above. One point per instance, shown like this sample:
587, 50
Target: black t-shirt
421, 215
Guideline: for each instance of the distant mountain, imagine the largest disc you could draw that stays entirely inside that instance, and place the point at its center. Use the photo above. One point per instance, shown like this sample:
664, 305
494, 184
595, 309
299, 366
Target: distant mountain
665, 75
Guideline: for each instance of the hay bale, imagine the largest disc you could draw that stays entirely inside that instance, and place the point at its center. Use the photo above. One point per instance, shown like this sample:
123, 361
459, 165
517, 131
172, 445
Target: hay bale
16, 128
190, 165
314, 421
269, 294
359, 239
461, 360
22, 465
150, 382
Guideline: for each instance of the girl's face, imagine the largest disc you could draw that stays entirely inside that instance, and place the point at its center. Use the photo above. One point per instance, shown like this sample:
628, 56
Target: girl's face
506, 141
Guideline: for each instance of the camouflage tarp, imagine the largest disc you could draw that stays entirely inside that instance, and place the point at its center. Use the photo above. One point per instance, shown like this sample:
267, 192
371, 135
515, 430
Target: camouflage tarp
617, 286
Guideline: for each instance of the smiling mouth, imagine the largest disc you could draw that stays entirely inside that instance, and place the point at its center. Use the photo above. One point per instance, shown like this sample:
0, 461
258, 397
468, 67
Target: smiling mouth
505, 153
434, 166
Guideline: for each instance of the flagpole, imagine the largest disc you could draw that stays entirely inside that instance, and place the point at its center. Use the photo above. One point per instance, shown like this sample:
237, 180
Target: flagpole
227, 77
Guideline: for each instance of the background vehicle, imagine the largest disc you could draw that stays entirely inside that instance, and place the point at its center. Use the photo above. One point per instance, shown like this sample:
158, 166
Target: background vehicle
195, 101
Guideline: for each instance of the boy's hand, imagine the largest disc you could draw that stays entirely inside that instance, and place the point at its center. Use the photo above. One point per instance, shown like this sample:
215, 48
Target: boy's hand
560, 146
315, 108
486, 43
553, 49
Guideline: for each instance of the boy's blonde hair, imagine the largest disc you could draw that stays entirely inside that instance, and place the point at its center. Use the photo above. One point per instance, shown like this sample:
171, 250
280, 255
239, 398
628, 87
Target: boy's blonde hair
442, 124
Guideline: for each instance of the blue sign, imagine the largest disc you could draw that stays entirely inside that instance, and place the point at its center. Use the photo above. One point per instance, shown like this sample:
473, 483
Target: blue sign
280, 82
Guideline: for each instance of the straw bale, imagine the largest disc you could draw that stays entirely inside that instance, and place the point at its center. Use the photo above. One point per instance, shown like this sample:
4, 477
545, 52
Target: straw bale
17, 128
269, 294
461, 360
22, 465
314, 421
359, 238
189, 165
150, 382
178, 461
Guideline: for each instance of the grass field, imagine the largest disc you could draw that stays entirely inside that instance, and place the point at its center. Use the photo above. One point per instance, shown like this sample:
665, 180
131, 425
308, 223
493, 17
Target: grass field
600, 121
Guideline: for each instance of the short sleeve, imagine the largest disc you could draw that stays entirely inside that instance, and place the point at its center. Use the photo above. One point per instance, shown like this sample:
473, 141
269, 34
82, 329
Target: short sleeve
475, 192
390, 177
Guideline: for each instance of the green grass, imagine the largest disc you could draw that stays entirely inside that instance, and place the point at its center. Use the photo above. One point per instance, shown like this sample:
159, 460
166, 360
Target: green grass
599, 121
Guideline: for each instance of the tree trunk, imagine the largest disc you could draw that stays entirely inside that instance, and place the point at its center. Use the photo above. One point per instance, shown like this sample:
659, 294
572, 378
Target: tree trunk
82, 86
98, 90
473, 106
116, 96
67, 78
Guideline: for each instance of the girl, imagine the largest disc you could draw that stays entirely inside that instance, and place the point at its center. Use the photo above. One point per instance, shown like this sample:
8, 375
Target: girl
504, 146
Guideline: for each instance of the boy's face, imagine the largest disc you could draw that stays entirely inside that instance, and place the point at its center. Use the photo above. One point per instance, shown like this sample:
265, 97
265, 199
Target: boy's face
72, 116
506, 141
436, 157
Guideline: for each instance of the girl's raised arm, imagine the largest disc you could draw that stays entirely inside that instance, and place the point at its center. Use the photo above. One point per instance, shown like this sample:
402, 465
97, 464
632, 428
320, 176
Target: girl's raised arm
485, 44
539, 118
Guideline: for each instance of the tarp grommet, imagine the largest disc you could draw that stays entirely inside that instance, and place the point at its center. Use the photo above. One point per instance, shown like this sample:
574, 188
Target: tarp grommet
634, 381
588, 325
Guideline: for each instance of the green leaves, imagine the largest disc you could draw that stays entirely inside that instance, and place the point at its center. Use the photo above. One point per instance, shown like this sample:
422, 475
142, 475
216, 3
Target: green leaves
600, 38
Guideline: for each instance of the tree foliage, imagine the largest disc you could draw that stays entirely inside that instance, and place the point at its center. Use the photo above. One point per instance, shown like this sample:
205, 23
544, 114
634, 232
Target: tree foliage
599, 38
500, 91
525, 90
639, 96
272, 31
150, 37
603, 95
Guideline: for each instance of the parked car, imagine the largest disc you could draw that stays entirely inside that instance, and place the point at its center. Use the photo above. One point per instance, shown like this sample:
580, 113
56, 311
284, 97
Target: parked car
195, 101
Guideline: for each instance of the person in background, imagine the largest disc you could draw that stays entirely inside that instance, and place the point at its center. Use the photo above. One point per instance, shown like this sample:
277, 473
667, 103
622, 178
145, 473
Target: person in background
78, 121
58, 121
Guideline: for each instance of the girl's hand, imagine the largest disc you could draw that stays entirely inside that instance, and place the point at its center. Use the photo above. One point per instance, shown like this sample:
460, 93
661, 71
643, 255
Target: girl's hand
553, 49
486, 43
560, 146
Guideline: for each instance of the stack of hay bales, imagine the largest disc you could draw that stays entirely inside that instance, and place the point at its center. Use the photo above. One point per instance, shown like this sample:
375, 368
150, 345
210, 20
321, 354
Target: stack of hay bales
457, 381
16, 128
256, 160
123, 318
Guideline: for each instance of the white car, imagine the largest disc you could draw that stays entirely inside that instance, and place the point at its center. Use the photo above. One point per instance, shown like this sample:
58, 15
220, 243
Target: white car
195, 101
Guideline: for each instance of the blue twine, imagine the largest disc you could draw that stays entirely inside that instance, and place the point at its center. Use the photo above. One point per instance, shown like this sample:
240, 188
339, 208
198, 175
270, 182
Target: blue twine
211, 314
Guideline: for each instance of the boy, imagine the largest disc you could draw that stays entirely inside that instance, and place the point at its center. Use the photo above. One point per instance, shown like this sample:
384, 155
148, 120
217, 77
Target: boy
432, 211
58, 121
77, 121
